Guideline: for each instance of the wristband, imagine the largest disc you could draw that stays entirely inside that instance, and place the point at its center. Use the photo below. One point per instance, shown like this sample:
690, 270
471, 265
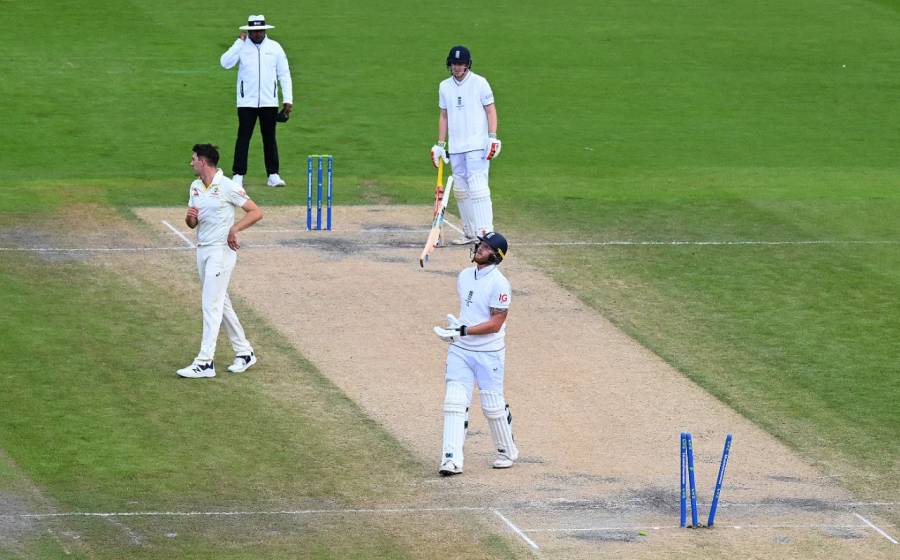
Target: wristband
462, 330
442, 144
492, 135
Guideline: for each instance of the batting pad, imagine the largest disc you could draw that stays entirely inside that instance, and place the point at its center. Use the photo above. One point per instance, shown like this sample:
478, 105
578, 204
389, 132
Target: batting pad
500, 420
464, 203
482, 209
456, 404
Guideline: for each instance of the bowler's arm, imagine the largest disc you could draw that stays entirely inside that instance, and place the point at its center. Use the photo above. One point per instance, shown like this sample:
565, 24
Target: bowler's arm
253, 215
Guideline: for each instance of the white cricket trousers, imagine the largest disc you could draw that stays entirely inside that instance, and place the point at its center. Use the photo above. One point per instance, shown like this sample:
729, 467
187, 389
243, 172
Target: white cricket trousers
464, 370
215, 264
467, 368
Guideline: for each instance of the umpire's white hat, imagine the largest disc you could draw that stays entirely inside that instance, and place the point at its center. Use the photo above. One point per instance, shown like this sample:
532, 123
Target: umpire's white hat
256, 23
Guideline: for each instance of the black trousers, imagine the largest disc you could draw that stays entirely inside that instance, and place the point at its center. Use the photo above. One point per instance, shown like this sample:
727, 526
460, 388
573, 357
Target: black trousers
246, 123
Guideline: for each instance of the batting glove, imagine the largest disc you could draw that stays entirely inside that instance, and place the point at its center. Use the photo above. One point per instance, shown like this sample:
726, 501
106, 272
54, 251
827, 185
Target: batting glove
453, 322
439, 153
450, 335
492, 149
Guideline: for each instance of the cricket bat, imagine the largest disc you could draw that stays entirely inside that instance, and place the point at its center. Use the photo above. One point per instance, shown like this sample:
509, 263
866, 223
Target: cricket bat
441, 198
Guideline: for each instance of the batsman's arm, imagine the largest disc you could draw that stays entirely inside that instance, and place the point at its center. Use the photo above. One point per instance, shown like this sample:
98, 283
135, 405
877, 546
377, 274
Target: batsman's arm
442, 126
455, 330
491, 112
492, 325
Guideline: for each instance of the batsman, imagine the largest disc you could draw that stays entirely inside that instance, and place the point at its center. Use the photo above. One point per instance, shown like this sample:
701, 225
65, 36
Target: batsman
469, 116
477, 354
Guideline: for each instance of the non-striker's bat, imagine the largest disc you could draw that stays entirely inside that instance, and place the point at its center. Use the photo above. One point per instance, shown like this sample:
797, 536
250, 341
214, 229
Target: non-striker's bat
441, 197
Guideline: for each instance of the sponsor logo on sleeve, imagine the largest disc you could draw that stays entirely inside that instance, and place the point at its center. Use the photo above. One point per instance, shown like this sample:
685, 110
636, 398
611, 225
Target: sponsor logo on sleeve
504, 298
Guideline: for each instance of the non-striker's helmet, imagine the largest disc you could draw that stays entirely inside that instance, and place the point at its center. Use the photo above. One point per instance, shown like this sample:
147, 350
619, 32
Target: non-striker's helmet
496, 242
459, 55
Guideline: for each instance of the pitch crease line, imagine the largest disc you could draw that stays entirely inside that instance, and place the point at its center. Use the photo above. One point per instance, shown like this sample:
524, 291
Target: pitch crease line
240, 513
179, 234
411, 245
531, 506
449, 223
516, 530
361, 232
695, 243
677, 528
878, 529
93, 249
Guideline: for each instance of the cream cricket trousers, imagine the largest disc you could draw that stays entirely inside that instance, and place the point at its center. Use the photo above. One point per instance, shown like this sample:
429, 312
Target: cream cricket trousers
215, 264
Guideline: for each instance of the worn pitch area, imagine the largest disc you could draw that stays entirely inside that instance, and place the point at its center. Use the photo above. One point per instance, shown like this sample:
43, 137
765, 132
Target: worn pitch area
596, 415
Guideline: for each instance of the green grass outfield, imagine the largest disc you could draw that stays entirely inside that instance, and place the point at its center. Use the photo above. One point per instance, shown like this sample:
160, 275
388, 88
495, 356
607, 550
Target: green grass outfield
638, 121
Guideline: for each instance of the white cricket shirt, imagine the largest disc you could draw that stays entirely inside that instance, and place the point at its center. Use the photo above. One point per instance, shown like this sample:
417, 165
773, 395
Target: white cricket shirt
216, 204
479, 291
466, 120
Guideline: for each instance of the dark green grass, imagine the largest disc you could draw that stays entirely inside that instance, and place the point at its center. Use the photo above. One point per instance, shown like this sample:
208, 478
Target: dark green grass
649, 121
628, 87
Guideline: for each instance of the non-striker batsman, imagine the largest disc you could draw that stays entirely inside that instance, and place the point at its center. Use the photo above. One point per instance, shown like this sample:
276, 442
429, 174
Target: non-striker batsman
469, 116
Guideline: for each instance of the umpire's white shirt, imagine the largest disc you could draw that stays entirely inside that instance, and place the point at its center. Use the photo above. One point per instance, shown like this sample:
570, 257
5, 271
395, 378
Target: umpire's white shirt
262, 68
479, 291
466, 120
216, 204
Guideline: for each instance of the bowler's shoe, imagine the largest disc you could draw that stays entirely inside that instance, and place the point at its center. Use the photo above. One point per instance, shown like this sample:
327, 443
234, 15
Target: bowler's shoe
198, 369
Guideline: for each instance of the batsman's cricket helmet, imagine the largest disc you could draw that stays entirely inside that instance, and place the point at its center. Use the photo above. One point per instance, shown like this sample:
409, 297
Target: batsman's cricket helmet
459, 55
496, 242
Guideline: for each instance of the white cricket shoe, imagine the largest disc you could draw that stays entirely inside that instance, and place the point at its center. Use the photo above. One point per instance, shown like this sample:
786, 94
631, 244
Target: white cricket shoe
503, 462
449, 468
198, 369
464, 240
238, 180
242, 363
275, 180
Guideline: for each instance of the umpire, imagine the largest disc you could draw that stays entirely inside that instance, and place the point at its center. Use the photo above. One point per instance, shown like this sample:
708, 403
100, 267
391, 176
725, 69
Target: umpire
263, 66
